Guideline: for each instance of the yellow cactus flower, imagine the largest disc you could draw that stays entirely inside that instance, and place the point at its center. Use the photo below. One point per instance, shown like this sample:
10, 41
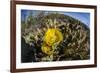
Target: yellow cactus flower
47, 50
53, 36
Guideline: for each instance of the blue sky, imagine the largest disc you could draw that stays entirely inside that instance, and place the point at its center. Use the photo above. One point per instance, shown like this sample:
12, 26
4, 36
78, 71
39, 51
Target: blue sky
83, 17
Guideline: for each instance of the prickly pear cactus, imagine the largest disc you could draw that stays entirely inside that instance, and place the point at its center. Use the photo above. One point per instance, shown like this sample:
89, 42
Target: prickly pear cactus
58, 37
